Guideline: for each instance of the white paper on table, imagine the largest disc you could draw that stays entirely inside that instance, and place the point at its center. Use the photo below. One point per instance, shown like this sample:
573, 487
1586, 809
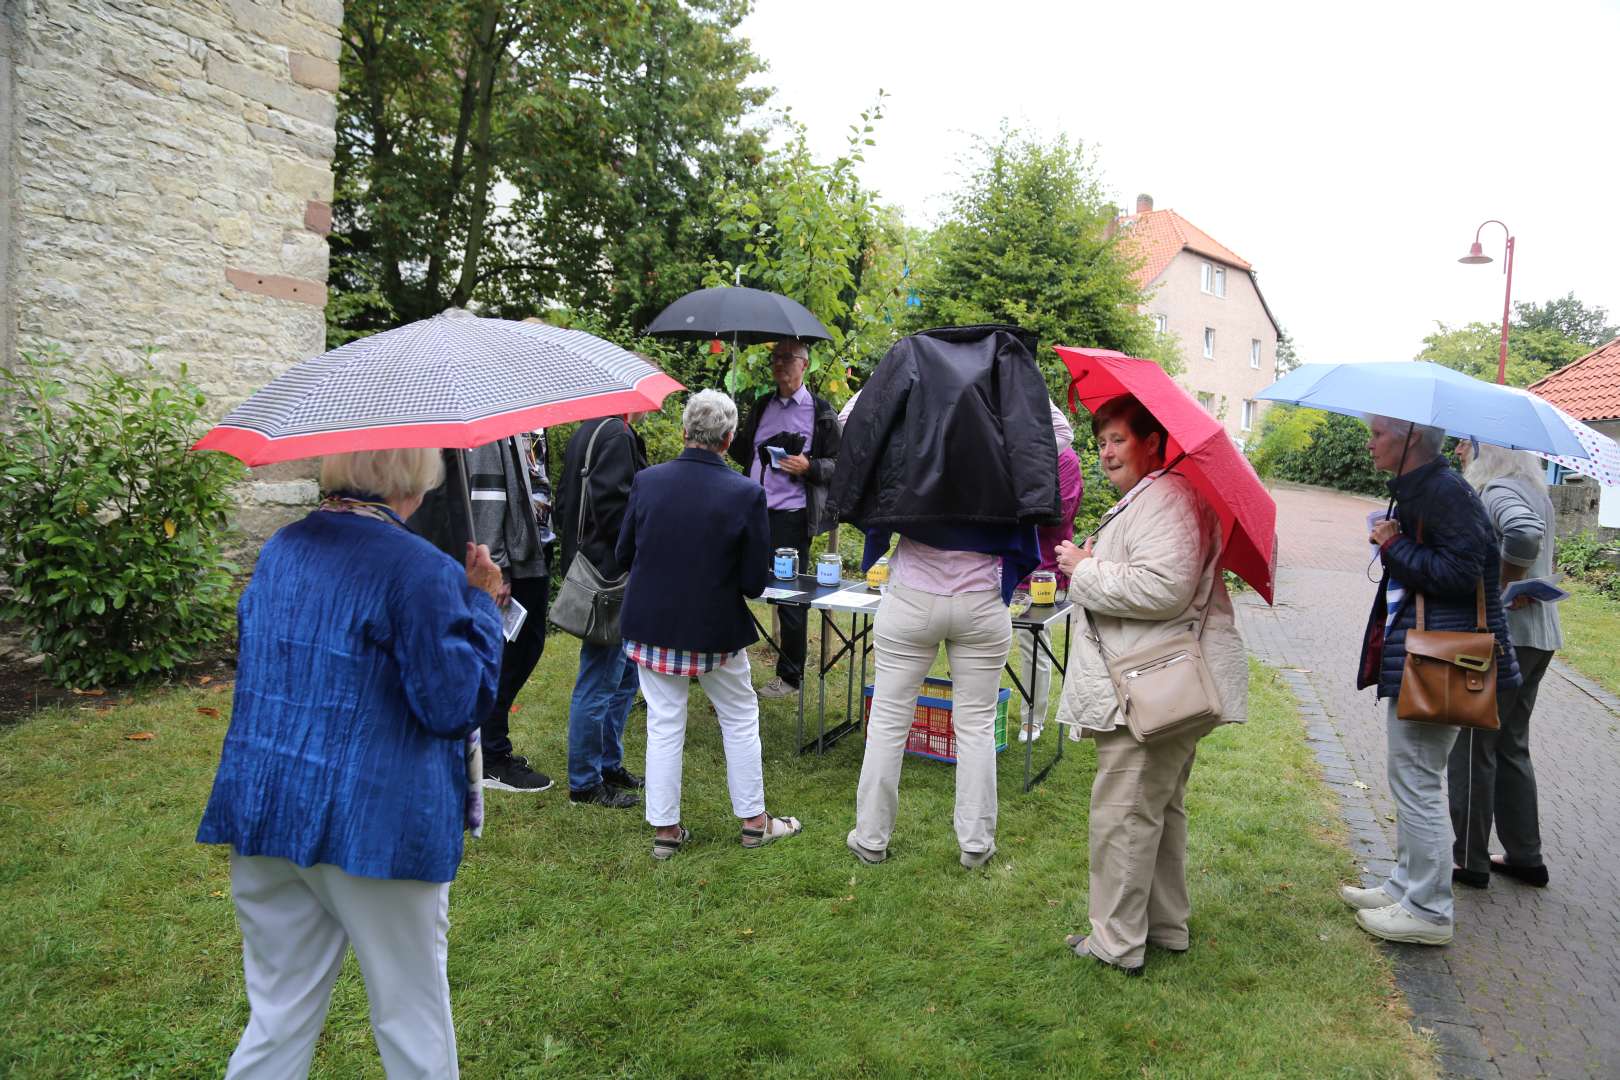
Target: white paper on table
512, 616
773, 593
851, 598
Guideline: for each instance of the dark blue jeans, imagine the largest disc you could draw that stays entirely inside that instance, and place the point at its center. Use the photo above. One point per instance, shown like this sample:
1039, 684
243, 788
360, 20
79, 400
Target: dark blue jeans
604, 690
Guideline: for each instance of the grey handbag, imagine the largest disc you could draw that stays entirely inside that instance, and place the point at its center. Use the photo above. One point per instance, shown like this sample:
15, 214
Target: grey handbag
587, 603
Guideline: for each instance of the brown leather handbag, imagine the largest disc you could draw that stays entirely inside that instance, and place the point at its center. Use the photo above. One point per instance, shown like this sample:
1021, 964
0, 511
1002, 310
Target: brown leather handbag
1450, 676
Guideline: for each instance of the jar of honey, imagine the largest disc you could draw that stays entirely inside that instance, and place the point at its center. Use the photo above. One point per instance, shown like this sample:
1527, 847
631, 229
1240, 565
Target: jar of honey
877, 575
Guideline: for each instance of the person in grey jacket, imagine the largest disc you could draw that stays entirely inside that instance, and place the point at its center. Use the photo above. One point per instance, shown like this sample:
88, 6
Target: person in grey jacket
1489, 773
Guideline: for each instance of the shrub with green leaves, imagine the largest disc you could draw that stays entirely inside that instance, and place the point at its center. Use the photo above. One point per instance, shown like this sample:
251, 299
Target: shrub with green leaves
1335, 457
111, 530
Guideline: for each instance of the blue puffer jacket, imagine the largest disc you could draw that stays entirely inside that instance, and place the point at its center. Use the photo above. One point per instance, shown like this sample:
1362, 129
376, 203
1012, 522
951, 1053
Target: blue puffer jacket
1458, 548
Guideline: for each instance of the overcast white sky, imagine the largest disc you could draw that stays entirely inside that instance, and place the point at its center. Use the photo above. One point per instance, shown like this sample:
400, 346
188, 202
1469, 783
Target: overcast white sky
1347, 151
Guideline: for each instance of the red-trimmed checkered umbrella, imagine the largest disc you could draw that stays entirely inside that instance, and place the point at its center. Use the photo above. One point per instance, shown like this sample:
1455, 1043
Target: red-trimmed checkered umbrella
453, 381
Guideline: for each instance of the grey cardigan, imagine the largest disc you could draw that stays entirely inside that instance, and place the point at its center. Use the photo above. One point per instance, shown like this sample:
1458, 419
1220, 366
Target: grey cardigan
1523, 515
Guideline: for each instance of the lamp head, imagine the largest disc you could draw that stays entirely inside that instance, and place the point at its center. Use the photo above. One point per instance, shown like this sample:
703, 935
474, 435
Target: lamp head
1475, 256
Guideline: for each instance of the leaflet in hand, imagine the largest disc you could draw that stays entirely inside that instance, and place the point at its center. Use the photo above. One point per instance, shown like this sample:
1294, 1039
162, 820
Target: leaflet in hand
1541, 589
777, 454
512, 616
1373, 519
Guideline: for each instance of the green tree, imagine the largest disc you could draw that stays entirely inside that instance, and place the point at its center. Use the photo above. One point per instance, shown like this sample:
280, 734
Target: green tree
514, 154
812, 232
1567, 317
1027, 241
1287, 357
1474, 349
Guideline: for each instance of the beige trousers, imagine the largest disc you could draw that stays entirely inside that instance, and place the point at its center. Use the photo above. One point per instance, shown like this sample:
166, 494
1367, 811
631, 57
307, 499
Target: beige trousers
1139, 844
911, 625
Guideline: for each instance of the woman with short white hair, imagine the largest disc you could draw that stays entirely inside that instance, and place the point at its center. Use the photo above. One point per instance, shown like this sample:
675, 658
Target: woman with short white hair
1489, 775
697, 544
365, 659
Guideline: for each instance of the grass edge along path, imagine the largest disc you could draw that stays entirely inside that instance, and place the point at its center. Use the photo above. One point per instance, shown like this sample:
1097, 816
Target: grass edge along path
572, 953
1591, 623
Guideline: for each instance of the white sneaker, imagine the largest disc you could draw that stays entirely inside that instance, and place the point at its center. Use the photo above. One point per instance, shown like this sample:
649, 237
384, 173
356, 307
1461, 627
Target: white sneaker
1364, 899
1395, 923
1029, 733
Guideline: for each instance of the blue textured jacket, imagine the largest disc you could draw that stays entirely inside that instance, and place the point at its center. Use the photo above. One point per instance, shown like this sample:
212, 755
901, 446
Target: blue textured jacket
364, 660
697, 543
1458, 548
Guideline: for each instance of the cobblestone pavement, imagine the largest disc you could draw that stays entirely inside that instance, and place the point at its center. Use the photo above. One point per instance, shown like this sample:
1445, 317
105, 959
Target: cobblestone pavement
1530, 986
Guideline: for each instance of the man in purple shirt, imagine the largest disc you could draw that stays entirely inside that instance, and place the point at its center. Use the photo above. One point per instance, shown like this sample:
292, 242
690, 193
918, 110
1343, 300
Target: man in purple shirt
788, 443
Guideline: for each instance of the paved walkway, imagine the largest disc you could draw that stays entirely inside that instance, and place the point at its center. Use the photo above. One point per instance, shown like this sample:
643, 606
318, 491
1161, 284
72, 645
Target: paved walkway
1530, 986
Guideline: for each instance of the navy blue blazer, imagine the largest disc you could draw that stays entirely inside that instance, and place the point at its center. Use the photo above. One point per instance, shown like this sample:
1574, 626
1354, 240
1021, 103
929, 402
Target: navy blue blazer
697, 543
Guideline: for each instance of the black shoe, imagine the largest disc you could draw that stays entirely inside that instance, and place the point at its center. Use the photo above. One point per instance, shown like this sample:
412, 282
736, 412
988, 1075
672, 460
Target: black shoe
605, 795
511, 772
1478, 879
623, 778
1530, 875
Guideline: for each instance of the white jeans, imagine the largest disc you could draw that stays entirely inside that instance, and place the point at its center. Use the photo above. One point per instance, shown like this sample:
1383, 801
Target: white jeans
732, 692
298, 922
910, 626
1037, 682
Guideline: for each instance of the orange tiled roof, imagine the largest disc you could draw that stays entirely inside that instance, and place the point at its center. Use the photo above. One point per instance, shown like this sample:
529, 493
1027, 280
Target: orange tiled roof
1588, 389
1159, 235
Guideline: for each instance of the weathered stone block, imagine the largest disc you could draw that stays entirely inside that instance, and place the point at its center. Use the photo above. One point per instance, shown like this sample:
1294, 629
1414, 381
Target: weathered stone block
234, 231
329, 12
269, 22
312, 71
262, 86
318, 217
277, 137
302, 181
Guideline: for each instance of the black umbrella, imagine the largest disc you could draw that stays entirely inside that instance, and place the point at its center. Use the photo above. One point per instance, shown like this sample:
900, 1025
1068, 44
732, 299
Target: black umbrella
746, 316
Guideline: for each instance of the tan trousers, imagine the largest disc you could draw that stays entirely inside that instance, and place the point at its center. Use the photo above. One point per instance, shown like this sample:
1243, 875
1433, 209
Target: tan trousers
1139, 844
910, 626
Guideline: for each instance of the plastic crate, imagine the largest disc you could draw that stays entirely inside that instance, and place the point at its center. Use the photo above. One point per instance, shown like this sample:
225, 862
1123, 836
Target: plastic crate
932, 735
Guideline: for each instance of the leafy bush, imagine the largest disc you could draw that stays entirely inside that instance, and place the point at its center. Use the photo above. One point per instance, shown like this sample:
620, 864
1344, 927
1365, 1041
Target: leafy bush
110, 529
1336, 457
1284, 430
1586, 558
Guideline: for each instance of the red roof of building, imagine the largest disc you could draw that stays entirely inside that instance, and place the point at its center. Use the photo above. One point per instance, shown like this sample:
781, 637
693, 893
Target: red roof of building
1588, 389
1159, 235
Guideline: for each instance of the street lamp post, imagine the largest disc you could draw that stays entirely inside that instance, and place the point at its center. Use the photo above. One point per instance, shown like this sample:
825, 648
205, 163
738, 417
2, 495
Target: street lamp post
1476, 254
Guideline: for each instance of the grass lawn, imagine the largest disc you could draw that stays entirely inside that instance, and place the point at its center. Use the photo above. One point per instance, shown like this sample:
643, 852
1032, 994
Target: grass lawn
1591, 624
573, 954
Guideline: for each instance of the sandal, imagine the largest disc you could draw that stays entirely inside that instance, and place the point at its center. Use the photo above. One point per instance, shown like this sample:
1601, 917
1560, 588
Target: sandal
775, 829
1078, 942
665, 847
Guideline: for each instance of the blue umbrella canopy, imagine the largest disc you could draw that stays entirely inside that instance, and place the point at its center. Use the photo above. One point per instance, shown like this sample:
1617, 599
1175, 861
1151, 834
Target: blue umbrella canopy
1426, 393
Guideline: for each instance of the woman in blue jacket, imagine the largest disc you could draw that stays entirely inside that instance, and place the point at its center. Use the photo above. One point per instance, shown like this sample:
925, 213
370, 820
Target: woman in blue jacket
366, 657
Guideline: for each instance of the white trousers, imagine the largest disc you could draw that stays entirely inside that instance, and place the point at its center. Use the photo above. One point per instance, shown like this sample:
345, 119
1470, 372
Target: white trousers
731, 691
910, 627
297, 923
1035, 672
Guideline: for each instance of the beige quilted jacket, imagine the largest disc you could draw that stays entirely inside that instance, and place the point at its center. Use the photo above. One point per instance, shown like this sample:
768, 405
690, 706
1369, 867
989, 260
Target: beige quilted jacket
1152, 577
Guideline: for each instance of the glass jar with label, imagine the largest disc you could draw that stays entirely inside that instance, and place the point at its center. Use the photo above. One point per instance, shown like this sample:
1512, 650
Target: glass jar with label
829, 568
1042, 587
877, 575
786, 564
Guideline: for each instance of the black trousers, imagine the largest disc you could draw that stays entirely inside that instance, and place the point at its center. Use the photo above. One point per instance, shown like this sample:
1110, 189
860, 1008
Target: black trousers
1491, 780
517, 663
791, 528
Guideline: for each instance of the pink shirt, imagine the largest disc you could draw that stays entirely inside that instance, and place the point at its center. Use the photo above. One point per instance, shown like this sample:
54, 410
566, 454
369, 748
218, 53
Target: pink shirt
943, 573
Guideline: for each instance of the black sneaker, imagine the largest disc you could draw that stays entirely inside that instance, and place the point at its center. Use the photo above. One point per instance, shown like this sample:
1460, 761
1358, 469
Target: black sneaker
511, 772
623, 778
605, 795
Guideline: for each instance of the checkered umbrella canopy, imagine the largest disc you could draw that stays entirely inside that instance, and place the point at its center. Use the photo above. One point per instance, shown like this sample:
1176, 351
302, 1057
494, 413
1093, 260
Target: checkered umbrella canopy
452, 381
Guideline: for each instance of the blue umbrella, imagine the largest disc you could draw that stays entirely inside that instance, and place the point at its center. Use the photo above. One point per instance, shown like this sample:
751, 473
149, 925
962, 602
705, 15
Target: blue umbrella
1426, 393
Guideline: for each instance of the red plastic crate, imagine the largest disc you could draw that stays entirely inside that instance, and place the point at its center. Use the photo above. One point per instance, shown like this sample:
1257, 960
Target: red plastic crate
932, 735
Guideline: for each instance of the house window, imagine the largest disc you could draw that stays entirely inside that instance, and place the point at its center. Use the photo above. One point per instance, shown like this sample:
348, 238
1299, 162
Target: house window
1254, 353
1161, 324
1248, 415
1209, 343
1220, 281
1207, 401
1206, 278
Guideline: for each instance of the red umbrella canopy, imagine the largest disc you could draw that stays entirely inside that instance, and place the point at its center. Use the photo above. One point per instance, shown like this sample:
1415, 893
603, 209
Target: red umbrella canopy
1222, 475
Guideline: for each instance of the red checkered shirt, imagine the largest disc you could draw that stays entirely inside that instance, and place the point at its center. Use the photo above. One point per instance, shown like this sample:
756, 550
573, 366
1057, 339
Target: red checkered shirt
675, 661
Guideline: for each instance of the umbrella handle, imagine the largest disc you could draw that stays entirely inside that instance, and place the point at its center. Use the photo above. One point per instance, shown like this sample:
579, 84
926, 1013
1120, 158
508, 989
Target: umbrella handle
466, 493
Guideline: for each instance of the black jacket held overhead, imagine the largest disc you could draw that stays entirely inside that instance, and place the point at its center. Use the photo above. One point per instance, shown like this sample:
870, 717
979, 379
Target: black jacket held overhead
1458, 548
953, 427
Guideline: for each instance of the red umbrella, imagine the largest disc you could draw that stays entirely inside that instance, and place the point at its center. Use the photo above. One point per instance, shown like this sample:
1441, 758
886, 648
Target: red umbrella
1224, 476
